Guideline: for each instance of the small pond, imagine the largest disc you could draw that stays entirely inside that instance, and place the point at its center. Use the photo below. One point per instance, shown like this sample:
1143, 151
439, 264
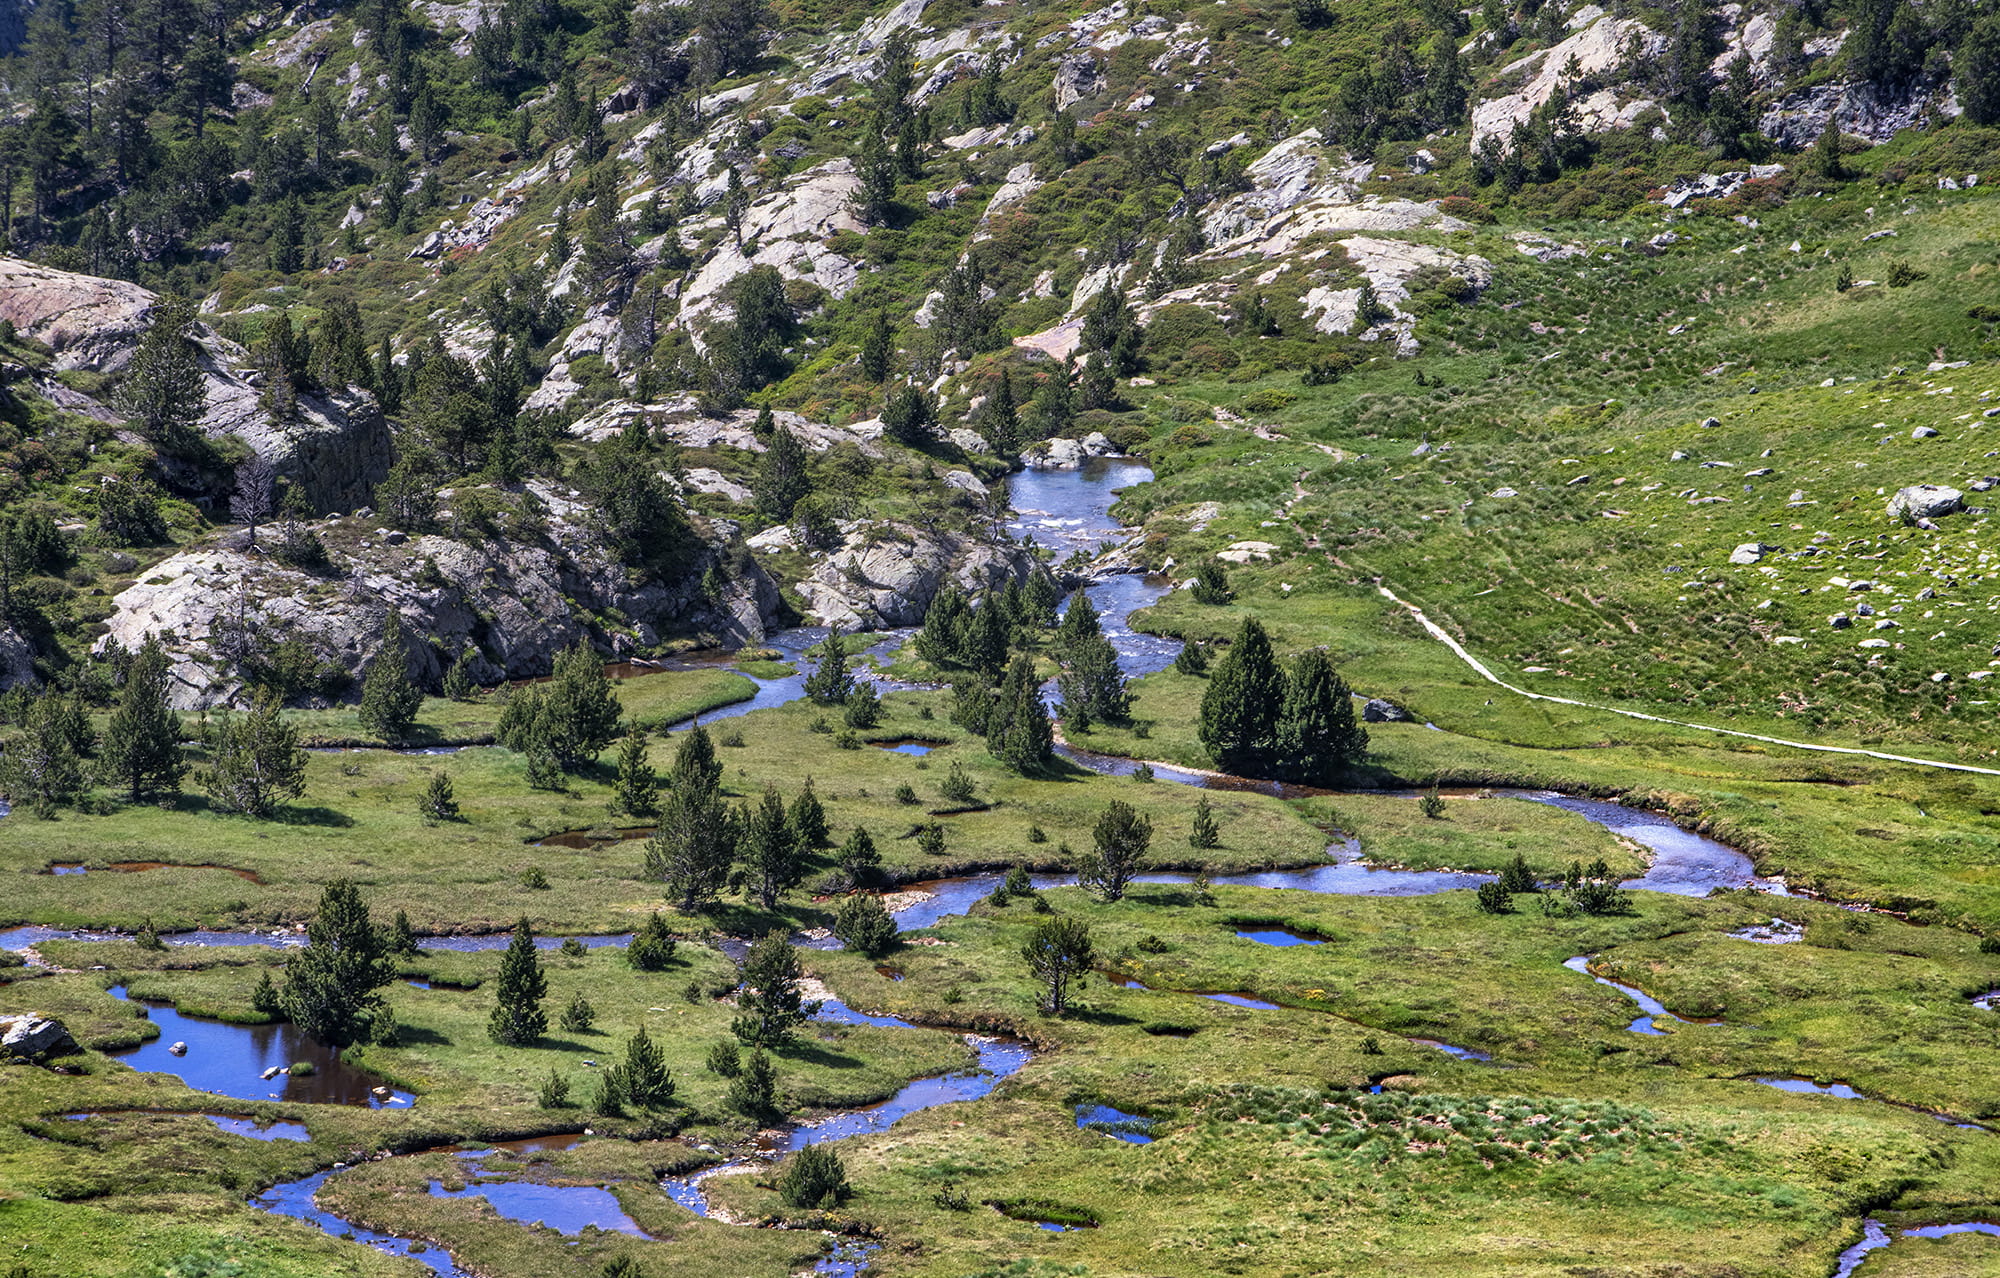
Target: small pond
1133, 1129
230, 1060
567, 1209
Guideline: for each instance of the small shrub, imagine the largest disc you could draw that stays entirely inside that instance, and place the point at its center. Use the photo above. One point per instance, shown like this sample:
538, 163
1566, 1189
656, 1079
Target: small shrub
572, 948
1494, 899
578, 1015
846, 739
730, 738
724, 1060
534, 880
951, 1198
1432, 804
1152, 944
302, 1069
931, 839
907, 794
1037, 835
813, 1178
957, 784
1902, 275
554, 1091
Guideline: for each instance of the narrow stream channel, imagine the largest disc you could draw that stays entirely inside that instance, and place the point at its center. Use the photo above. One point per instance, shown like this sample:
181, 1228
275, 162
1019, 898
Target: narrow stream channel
1067, 510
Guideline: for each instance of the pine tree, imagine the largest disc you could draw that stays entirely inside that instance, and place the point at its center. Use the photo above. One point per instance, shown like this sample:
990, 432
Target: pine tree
330, 989
770, 996
518, 1018
439, 803
582, 709
696, 843
1091, 684
781, 476
1018, 732
164, 394
652, 946
1003, 416
859, 860
402, 937
773, 862
1079, 624
637, 792
647, 1083
1316, 732
863, 709
1120, 840
830, 682
864, 926
254, 761
1204, 833
807, 817
390, 699
142, 739
695, 763
910, 417
40, 767
1060, 957
754, 1090
878, 348
875, 198
1239, 708
941, 639
813, 1179
458, 685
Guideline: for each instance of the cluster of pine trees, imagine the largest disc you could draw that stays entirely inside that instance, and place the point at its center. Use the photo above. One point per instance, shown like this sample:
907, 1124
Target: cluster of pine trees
253, 761
1261, 720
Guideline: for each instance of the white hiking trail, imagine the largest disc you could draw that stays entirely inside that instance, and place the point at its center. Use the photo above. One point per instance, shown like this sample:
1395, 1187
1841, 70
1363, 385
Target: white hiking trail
1439, 634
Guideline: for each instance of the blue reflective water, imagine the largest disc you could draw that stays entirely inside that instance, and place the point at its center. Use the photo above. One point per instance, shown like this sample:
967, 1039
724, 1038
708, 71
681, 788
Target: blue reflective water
1133, 1129
918, 748
1808, 1087
229, 1060
1684, 863
233, 1124
1242, 1000
297, 1199
1460, 1053
567, 1209
1277, 936
1655, 1011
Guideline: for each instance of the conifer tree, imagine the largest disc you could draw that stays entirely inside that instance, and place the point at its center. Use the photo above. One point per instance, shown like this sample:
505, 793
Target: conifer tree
643, 1073
652, 946
518, 1018
330, 989
1316, 734
781, 480
1060, 957
1091, 684
458, 685
941, 639
164, 394
754, 1090
864, 926
582, 709
830, 682
402, 937
858, 858
773, 862
770, 996
390, 699
1239, 708
254, 761
1018, 732
1204, 833
40, 768
637, 793
1120, 840
142, 739
813, 1179
1003, 416
439, 803
807, 817
878, 348
696, 843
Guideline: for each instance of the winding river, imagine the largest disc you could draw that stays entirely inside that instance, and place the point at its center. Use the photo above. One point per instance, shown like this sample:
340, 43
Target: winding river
1067, 510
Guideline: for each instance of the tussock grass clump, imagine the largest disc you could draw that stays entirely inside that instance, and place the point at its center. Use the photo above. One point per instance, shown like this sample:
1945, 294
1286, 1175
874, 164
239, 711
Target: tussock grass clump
1371, 1129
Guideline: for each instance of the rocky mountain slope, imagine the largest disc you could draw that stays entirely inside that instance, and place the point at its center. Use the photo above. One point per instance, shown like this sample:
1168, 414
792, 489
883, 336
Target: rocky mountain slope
437, 251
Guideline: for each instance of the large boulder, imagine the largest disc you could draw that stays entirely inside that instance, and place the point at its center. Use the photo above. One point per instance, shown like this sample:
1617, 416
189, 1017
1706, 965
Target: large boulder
885, 574
1926, 501
17, 658
510, 605
1067, 454
336, 448
29, 1037
1377, 710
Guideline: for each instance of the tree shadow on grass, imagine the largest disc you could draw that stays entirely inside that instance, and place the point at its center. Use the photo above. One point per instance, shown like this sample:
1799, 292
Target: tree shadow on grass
326, 817
805, 1052
1091, 1016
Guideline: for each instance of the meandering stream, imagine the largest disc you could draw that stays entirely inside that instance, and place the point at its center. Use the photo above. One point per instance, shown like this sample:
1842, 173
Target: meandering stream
1064, 509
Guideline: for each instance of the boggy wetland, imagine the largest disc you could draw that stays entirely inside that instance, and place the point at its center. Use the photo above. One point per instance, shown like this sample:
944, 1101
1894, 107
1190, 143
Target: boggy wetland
1296, 1042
